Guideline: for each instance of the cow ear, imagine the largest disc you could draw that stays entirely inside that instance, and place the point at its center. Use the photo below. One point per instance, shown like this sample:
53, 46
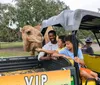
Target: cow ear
21, 29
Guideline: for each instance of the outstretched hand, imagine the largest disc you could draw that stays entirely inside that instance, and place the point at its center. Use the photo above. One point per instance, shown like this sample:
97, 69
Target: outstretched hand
38, 49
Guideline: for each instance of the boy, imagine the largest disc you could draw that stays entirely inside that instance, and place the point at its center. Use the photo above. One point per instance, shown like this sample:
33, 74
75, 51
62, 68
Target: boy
87, 49
68, 51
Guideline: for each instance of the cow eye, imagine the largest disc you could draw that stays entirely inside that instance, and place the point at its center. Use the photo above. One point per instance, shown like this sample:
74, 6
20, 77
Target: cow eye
28, 33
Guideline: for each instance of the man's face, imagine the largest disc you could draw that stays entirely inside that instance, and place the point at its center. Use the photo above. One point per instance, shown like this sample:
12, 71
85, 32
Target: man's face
69, 45
52, 37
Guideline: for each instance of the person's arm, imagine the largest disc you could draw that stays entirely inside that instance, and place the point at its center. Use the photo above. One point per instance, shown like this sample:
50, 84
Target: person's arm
42, 57
60, 55
41, 54
80, 61
46, 51
45, 58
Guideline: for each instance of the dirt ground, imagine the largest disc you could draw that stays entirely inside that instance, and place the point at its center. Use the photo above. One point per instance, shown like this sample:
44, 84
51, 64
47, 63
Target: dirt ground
95, 47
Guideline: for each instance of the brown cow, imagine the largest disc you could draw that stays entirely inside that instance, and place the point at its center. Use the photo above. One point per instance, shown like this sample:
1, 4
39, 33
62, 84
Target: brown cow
32, 38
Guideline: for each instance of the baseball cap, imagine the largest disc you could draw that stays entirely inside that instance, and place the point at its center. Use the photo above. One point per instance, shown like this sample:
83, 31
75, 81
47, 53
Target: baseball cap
89, 39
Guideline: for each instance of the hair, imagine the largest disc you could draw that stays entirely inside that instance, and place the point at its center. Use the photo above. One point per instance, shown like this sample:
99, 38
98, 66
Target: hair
52, 31
62, 37
68, 38
72, 39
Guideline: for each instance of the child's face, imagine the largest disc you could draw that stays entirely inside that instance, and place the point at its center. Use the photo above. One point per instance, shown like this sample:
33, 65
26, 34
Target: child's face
69, 45
60, 43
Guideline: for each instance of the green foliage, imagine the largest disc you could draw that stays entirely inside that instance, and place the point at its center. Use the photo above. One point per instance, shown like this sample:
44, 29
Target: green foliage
32, 11
83, 34
61, 31
7, 14
35, 11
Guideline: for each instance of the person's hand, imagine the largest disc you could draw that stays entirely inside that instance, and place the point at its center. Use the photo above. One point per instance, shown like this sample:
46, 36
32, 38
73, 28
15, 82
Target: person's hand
76, 59
38, 49
55, 55
67, 57
54, 58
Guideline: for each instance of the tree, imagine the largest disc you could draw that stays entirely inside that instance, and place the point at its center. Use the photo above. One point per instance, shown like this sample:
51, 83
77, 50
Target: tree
7, 14
35, 11
32, 11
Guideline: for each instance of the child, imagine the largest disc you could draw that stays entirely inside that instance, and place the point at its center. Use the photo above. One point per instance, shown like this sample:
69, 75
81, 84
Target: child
87, 49
68, 51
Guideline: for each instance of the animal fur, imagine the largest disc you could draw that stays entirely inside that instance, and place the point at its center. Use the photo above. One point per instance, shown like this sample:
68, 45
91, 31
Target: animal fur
32, 38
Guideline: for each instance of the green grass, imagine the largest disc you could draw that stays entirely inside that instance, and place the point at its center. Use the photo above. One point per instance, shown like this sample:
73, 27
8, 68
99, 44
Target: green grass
10, 44
98, 52
12, 52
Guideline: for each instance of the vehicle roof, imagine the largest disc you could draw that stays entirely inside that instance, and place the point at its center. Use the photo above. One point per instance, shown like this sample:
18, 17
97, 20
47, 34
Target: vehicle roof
74, 20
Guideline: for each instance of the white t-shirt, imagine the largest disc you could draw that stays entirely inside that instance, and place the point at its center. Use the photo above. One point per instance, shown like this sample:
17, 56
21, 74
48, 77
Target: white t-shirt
48, 46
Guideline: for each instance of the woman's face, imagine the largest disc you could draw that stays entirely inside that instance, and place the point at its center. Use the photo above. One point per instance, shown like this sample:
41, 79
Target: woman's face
69, 45
60, 43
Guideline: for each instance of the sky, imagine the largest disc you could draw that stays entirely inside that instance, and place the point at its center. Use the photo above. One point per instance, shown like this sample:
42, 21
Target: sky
92, 5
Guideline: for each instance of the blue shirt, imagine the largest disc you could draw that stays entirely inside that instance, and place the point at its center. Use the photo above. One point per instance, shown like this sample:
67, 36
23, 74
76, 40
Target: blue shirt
66, 52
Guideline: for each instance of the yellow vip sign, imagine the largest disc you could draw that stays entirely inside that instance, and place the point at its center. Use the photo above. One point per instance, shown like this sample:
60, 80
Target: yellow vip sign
61, 77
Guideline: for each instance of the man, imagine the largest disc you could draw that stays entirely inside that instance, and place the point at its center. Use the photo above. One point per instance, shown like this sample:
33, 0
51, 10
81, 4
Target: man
87, 49
52, 45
